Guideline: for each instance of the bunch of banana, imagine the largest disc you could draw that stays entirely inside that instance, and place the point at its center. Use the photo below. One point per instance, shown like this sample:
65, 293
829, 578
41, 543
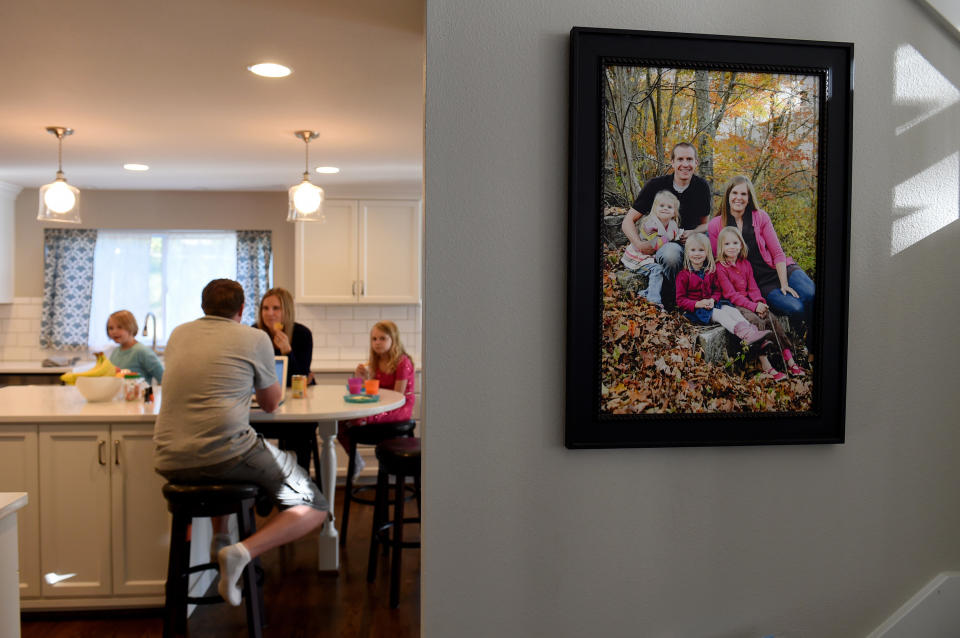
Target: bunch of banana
102, 368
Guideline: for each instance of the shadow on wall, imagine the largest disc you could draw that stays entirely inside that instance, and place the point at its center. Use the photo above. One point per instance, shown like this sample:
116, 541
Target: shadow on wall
930, 200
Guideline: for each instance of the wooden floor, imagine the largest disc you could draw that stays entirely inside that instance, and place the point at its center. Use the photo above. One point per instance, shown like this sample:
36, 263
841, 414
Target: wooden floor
300, 602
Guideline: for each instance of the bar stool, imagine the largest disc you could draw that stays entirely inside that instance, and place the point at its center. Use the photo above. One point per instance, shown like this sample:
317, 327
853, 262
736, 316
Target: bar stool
399, 458
370, 434
186, 501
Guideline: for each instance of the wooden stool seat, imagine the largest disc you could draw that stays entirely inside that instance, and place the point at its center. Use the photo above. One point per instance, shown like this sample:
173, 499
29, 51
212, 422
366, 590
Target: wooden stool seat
399, 458
186, 501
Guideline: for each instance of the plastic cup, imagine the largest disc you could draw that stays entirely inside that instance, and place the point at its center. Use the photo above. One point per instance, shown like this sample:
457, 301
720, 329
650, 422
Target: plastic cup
372, 386
355, 385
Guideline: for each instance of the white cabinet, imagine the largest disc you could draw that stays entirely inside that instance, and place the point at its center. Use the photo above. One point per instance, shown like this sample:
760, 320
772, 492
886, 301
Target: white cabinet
8, 195
367, 251
141, 523
75, 510
18, 473
98, 513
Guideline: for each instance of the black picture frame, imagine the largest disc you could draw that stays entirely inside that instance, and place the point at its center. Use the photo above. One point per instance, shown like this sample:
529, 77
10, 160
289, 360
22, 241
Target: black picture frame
587, 423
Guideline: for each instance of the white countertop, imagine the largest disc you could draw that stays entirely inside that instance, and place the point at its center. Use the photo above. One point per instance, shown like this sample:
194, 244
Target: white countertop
30, 367
10, 502
65, 404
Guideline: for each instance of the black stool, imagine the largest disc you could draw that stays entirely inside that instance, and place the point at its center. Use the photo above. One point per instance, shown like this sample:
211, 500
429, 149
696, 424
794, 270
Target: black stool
185, 501
399, 458
370, 434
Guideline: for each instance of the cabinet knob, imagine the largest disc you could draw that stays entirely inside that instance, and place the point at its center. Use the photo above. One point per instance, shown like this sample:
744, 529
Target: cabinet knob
101, 446
116, 451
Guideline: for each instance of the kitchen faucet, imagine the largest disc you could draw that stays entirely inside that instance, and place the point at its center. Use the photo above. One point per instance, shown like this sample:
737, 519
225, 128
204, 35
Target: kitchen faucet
149, 316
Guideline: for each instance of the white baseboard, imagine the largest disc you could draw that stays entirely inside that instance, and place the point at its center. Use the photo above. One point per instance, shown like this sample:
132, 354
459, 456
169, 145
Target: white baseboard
933, 612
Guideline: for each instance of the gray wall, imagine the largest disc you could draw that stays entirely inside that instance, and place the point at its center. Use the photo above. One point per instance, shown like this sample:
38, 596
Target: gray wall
526, 538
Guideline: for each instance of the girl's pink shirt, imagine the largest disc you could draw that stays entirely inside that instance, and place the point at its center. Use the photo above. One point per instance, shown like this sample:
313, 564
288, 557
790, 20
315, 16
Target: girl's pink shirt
738, 284
388, 381
767, 239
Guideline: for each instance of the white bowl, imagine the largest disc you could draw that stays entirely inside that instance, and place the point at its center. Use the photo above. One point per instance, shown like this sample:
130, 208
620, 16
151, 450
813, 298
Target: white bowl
96, 389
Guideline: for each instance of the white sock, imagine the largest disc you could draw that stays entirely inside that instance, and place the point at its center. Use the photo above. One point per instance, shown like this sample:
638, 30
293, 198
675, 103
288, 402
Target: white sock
232, 559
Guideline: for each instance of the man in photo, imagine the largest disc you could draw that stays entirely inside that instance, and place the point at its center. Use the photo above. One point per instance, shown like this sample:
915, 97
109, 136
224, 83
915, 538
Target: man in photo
693, 192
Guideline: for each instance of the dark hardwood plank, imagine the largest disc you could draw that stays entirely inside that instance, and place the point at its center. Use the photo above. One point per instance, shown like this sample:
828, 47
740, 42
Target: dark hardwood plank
300, 601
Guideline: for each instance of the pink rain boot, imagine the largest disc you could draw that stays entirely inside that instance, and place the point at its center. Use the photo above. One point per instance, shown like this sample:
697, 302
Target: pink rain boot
746, 331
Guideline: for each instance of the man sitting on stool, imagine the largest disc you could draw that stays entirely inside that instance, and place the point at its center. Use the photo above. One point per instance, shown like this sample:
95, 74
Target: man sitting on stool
203, 432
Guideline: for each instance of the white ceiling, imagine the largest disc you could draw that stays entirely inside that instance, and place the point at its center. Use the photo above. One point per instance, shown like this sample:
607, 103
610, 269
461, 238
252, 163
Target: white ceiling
165, 84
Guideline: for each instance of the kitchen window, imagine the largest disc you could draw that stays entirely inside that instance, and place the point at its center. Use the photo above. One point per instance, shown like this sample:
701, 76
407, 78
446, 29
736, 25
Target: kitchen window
159, 272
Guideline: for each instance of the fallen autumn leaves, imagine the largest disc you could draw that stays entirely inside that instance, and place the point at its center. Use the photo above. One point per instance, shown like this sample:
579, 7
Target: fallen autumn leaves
650, 364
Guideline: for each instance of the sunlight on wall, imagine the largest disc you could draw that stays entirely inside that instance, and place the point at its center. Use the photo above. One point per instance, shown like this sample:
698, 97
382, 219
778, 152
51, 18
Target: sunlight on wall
920, 86
931, 201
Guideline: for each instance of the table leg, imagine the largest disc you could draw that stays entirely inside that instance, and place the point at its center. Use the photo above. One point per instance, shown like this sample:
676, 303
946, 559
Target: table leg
328, 556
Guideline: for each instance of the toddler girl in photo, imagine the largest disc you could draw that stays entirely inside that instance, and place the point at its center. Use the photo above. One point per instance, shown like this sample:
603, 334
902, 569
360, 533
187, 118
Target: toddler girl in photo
660, 225
698, 293
735, 275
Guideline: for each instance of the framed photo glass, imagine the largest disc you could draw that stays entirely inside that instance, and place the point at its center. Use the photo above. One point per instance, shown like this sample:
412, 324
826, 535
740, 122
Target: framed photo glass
708, 252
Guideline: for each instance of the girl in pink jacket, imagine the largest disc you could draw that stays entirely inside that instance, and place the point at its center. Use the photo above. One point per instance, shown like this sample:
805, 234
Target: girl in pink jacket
735, 276
698, 294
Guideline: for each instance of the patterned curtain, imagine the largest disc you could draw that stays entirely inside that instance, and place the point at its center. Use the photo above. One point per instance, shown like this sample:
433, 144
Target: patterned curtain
253, 269
67, 287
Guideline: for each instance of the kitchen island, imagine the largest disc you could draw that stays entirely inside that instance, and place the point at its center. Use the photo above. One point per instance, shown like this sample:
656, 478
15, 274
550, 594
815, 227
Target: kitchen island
96, 530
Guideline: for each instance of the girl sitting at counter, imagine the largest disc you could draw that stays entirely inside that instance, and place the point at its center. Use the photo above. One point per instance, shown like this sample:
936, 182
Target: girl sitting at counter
130, 353
276, 318
392, 366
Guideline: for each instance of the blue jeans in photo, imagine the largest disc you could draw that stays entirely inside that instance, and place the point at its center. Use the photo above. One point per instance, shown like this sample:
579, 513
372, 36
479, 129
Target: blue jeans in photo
654, 273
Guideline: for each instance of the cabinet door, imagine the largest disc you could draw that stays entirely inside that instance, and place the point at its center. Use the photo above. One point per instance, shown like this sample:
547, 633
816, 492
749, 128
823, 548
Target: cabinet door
326, 256
141, 523
19, 473
75, 510
390, 235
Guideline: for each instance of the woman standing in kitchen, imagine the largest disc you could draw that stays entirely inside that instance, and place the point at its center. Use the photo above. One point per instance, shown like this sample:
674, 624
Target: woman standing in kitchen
294, 340
130, 353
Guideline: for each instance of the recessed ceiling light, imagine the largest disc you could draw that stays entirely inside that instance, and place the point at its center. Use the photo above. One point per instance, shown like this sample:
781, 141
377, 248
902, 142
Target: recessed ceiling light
327, 169
136, 167
269, 70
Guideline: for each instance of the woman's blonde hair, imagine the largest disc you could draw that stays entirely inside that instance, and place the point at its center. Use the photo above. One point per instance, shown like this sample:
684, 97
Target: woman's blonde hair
124, 319
286, 303
725, 202
387, 362
667, 195
700, 240
730, 230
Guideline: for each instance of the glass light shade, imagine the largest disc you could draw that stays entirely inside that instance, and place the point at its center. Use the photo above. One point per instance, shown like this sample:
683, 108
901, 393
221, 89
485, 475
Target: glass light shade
59, 202
305, 203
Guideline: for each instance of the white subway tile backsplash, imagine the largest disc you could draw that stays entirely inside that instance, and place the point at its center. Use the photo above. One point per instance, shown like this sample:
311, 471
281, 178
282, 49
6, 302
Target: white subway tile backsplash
394, 313
367, 312
326, 353
357, 326
406, 326
340, 340
339, 312
340, 333
28, 339
18, 325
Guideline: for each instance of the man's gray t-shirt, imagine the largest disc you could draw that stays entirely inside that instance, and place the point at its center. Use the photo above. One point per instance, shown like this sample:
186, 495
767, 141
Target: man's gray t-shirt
211, 365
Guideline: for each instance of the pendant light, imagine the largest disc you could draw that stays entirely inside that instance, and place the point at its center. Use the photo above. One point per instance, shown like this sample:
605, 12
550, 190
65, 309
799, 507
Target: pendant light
59, 201
306, 199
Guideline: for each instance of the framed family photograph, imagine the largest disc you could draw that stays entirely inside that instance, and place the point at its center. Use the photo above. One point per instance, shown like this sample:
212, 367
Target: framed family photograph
708, 239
